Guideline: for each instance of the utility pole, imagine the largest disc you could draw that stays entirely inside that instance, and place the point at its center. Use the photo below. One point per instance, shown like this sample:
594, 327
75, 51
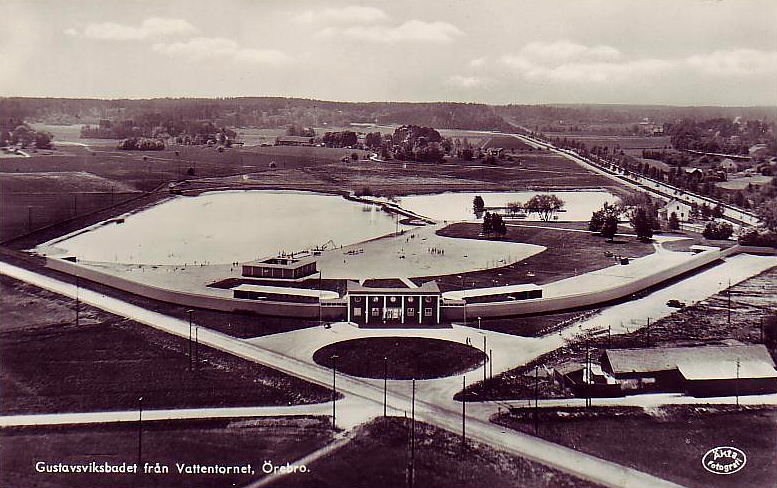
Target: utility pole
320, 312
485, 360
385, 382
140, 429
412, 439
491, 363
197, 348
729, 300
29, 218
536, 399
334, 390
463, 412
609, 336
190, 338
737, 384
78, 300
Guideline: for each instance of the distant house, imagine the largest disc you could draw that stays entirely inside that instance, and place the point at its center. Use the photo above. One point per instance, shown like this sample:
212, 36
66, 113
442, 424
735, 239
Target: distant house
728, 165
694, 174
294, 141
681, 209
721, 370
289, 267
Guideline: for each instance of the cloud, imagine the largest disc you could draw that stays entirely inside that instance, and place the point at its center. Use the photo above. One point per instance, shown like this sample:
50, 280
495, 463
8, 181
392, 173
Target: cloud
200, 48
152, 27
412, 30
565, 50
460, 81
477, 63
735, 62
352, 14
569, 62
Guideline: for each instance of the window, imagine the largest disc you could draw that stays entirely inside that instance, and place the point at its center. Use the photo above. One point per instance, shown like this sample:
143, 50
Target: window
391, 313
410, 312
357, 312
428, 299
375, 299
357, 299
376, 312
427, 312
393, 299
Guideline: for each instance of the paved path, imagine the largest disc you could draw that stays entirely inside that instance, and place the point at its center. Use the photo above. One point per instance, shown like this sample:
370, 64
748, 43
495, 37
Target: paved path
174, 414
441, 415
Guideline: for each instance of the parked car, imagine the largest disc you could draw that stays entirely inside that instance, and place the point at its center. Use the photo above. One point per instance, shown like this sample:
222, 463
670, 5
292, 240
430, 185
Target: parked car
675, 303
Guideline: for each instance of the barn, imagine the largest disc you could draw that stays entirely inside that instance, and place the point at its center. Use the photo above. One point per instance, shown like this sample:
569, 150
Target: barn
404, 307
719, 370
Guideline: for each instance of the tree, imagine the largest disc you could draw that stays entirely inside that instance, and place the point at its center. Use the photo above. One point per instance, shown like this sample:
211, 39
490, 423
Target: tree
643, 223
674, 222
718, 230
545, 205
717, 211
487, 223
609, 227
43, 140
373, 140
478, 204
514, 207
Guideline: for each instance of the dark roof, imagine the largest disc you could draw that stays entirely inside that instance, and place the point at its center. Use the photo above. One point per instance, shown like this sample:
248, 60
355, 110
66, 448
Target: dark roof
668, 358
294, 262
425, 289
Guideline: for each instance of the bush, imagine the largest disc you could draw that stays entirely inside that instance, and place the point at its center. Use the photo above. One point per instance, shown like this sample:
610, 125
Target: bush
141, 144
758, 237
718, 230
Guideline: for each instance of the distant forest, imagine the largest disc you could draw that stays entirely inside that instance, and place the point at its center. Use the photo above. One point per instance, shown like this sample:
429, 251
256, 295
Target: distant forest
276, 112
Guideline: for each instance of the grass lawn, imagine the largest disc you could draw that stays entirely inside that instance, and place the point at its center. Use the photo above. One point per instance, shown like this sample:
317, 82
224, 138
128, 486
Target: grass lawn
408, 357
207, 442
670, 443
107, 362
378, 457
568, 253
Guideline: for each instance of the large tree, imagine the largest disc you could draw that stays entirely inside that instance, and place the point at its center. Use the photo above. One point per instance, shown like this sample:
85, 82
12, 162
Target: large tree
643, 222
545, 205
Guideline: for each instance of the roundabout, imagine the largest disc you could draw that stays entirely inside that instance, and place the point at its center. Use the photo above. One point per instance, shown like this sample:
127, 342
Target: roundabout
400, 358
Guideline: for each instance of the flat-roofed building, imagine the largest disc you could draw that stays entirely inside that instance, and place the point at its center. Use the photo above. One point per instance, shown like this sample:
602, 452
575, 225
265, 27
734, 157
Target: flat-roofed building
289, 267
406, 307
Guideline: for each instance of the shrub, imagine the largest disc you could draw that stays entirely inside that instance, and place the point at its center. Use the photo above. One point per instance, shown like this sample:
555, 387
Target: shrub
758, 237
718, 230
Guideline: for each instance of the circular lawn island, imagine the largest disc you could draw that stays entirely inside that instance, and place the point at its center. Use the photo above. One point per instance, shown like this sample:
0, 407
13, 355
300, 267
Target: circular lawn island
408, 357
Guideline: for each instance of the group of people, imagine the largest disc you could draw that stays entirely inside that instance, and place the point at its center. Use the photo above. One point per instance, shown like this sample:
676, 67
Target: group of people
435, 250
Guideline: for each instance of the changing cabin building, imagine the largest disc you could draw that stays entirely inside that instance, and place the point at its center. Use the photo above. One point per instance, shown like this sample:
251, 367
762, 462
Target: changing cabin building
288, 267
405, 307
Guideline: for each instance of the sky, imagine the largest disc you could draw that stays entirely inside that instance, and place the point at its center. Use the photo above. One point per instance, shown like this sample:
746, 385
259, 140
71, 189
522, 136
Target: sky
672, 52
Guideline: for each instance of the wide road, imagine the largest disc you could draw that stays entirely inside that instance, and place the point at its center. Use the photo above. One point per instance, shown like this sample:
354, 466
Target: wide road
574, 462
656, 189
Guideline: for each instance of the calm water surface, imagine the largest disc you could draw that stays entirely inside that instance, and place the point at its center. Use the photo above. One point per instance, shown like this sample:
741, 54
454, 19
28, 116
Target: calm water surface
222, 227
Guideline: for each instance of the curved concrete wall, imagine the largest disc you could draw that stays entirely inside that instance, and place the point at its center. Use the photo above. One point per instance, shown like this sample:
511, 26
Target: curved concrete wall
226, 304
585, 299
336, 311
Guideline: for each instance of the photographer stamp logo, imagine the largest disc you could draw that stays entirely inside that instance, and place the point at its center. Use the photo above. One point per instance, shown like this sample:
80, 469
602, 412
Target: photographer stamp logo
724, 460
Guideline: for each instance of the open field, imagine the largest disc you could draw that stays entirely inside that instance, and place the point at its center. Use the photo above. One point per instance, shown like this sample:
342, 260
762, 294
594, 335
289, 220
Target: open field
408, 357
751, 302
106, 363
227, 442
668, 442
631, 145
568, 253
378, 456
